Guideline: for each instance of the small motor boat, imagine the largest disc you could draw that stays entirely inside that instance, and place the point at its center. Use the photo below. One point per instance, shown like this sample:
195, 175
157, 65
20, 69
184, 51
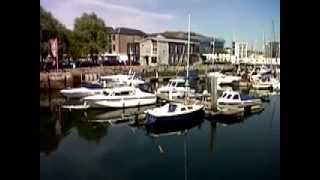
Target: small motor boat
173, 113
230, 97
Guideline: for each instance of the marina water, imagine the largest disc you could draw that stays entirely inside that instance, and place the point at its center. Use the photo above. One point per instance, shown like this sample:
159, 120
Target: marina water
71, 147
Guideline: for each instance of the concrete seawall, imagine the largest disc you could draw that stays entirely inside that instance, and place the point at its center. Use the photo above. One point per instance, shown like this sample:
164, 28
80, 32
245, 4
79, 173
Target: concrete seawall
73, 77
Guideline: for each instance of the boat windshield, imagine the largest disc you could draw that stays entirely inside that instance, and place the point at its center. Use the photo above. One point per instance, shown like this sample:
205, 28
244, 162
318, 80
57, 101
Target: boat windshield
172, 84
180, 84
236, 96
229, 96
172, 107
122, 93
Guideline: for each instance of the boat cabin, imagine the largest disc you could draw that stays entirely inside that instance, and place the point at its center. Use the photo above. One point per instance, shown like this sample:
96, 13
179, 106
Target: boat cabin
231, 95
176, 83
178, 107
234, 97
120, 91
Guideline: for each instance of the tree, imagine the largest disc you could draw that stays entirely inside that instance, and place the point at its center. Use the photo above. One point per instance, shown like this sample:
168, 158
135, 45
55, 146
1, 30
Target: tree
51, 28
92, 35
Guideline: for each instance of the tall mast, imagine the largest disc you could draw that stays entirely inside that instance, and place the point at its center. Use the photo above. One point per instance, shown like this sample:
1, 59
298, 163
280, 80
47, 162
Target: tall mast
274, 37
263, 46
188, 55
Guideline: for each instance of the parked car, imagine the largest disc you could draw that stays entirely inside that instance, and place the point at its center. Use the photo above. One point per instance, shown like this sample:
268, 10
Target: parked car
87, 64
112, 62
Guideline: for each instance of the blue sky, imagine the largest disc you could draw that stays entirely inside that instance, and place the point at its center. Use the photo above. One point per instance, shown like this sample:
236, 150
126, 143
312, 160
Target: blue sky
244, 20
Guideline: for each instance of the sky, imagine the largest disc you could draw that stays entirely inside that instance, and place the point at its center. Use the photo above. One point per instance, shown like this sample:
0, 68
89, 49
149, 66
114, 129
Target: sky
241, 20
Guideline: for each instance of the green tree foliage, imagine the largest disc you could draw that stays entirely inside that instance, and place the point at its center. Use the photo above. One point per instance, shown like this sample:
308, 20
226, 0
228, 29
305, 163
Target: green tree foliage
51, 28
91, 35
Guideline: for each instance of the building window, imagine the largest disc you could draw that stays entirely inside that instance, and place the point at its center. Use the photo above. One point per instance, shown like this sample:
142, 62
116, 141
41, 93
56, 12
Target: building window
154, 50
113, 37
154, 59
113, 47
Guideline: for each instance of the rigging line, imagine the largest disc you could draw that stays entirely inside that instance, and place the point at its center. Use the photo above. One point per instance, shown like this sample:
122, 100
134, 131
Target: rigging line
273, 109
185, 157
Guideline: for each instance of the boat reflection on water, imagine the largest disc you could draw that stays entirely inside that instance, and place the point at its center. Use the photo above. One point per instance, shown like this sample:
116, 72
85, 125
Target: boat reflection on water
158, 130
123, 112
52, 130
230, 121
126, 116
92, 131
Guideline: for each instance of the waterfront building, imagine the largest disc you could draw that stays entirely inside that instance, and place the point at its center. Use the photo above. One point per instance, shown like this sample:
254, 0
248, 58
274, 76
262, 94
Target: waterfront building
240, 49
160, 50
218, 45
124, 42
272, 49
109, 39
228, 50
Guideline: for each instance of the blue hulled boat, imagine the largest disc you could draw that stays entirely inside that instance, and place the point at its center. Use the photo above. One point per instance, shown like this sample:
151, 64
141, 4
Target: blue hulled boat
173, 114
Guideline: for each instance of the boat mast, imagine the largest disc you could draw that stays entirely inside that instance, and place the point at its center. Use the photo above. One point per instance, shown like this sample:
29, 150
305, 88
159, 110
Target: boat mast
188, 54
274, 41
185, 158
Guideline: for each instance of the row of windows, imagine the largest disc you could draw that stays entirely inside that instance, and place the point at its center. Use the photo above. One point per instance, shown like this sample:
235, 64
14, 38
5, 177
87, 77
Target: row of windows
229, 96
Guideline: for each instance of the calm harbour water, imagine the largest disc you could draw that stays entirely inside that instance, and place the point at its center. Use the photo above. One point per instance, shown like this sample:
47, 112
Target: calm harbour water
78, 149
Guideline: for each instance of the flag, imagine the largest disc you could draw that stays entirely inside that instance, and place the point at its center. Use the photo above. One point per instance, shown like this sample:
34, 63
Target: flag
53, 45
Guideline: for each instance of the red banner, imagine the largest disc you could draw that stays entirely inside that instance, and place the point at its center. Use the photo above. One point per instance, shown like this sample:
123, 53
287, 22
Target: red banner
53, 45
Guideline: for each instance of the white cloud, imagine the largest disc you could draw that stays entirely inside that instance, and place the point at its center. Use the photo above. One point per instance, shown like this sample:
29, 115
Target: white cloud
116, 15
128, 9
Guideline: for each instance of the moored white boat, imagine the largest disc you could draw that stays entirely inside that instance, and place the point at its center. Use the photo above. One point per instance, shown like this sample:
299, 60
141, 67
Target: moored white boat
121, 97
103, 82
81, 91
223, 79
176, 86
235, 98
121, 79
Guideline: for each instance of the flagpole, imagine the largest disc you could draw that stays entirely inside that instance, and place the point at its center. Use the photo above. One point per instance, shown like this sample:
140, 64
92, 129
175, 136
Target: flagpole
57, 61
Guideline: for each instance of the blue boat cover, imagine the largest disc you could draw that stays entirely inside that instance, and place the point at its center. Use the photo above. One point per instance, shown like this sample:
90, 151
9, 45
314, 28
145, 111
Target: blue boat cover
92, 86
246, 97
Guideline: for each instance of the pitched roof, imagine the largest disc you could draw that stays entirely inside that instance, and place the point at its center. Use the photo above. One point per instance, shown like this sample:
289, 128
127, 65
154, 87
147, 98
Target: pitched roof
161, 38
184, 35
128, 31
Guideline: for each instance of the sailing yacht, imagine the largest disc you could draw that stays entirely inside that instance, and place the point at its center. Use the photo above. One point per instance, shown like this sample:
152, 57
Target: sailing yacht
175, 113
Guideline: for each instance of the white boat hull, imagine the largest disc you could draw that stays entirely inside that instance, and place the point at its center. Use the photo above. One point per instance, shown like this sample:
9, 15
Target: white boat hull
125, 102
80, 92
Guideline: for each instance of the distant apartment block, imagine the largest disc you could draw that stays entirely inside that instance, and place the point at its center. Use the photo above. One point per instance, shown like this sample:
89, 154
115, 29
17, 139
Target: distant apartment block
228, 50
218, 45
240, 49
272, 49
124, 41
206, 44
160, 50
